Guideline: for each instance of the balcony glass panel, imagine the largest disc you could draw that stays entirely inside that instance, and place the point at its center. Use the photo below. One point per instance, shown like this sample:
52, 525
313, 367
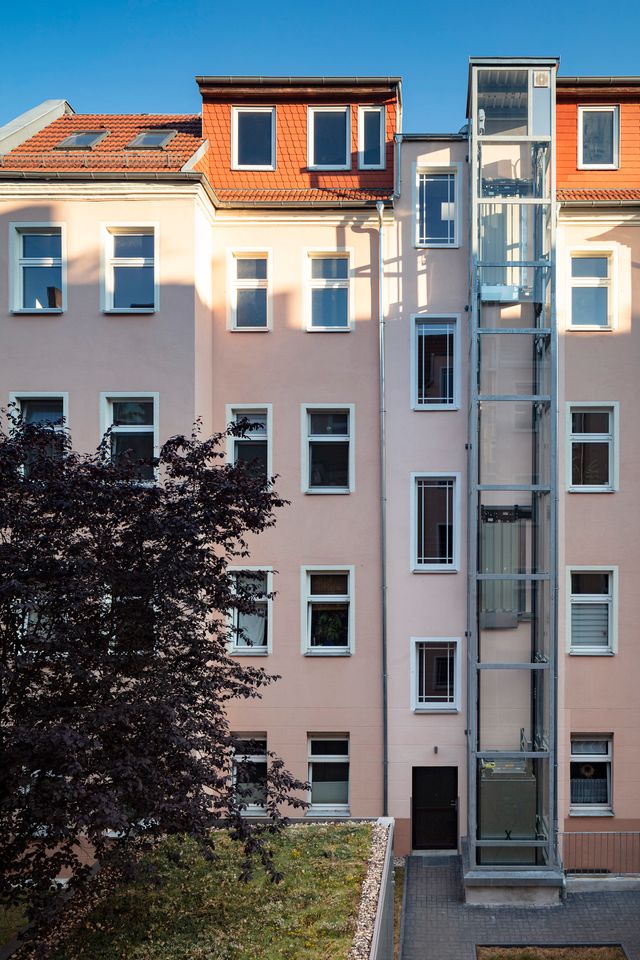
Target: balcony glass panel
519, 170
514, 366
509, 443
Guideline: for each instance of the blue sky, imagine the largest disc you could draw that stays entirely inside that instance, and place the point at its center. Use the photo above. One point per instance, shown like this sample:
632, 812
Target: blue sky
140, 56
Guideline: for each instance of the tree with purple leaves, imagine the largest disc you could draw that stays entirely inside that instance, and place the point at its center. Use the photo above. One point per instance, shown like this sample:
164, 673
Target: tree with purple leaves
115, 676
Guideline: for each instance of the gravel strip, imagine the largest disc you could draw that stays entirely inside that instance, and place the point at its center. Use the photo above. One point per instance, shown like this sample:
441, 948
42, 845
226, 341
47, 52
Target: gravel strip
361, 947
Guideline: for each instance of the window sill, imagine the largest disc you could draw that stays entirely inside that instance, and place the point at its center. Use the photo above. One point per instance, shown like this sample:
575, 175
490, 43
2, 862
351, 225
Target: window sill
429, 407
242, 652
329, 329
331, 491
328, 652
264, 167
255, 812
130, 310
589, 328
436, 709
587, 489
314, 166
438, 246
598, 166
372, 166
249, 329
594, 652
35, 311
322, 811
436, 568
590, 812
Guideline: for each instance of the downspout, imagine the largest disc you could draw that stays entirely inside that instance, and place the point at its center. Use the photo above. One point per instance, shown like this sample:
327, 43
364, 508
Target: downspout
383, 512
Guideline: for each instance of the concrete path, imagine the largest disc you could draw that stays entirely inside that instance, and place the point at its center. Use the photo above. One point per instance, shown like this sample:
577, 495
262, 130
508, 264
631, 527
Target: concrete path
438, 925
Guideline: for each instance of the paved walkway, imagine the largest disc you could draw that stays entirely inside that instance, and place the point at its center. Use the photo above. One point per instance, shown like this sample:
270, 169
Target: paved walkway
439, 926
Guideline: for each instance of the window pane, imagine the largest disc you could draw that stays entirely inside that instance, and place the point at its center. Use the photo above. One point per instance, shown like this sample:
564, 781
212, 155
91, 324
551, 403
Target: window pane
589, 624
329, 268
436, 673
329, 423
41, 411
590, 267
597, 136
253, 627
330, 308
590, 782
330, 625
328, 464
42, 288
254, 139
133, 288
598, 747
592, 582
245, 746
39, 245
590, 306
434, 517
152, 139
329, 584
132, 412
372, 120
330, 748
330, 783
251, 268
590, 464
85, 139
330, 138
251, 782
590, 421
133, 624
251, 308
437, 208
133, 245
256, 425
253, 453
132, 447
435, 362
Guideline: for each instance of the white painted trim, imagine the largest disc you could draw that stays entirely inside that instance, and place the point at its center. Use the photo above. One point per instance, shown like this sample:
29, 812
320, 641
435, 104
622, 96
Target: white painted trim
328, 809
614, 460
16, 229
592, 809
233, 284
249, 108
311, 112
311, 253
107, 231
457, 363
610, 251
231, 409
382, 110
15, 396
613, 108
106, 415
436, 707
420, 168
305, 487
612, 647
251, 651
305, 647
454, 567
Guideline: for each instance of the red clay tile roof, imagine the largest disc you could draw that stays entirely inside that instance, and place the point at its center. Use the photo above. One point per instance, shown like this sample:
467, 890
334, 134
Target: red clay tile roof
39, 153
599, 195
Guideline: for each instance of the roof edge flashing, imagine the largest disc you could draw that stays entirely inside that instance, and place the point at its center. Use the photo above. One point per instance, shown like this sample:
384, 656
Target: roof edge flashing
32, 121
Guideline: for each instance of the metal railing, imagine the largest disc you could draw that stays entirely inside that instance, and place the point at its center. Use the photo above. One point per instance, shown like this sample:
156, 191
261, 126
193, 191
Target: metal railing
613, 853
96, 160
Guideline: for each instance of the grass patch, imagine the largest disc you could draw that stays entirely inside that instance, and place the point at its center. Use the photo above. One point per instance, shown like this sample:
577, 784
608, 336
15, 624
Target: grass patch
12, 921
551, 953
201, 911
397, 908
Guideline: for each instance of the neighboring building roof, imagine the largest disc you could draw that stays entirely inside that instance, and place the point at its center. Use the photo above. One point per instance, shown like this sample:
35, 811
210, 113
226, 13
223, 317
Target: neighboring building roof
598, 196
295, 195
39, 152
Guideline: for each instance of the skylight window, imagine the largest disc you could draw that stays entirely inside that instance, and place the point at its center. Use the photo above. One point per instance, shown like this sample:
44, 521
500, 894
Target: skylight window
82, 140
151, 139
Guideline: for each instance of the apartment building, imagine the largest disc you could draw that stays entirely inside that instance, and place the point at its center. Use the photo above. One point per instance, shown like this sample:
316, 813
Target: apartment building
432, 337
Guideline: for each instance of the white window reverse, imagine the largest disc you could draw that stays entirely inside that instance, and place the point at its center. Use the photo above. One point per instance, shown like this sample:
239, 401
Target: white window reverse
371, 138
591, 775
328, 623
329, 138
599, 137
328, 776
593, 613
131, 270
435, 522
253, 138
38, 269
435, 674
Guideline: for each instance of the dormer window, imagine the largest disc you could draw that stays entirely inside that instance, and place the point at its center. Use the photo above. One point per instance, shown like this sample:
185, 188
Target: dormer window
253, 141
329, 136
82, 140
598, 138
151, 140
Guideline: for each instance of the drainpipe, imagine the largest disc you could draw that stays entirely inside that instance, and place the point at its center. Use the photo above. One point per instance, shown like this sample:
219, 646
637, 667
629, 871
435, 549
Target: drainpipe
383, 513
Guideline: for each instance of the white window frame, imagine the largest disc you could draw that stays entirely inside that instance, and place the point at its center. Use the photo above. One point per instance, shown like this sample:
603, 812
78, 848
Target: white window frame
311, 113
233, 285
602, 108
418, 707
16, 396
235, 112
612, 646
245, 410
612, 407
305, 610
305, 465
106, 417
252, 809
453, 567
416, 319
17, 261
610, 251
592, 809
111, 229
362, 110
234, 649
452, 168
328, 809
321, 253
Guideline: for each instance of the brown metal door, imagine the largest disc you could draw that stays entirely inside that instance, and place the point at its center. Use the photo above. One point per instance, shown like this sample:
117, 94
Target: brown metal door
434, 808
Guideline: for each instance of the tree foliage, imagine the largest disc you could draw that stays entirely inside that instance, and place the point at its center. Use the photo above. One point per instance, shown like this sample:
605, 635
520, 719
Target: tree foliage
114, 667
